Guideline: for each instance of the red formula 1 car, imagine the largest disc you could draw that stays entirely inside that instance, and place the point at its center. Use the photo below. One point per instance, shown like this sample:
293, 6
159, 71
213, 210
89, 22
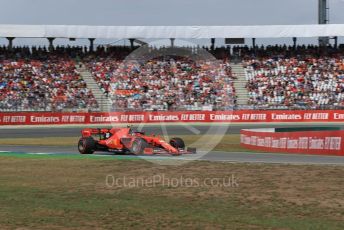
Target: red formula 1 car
125, 140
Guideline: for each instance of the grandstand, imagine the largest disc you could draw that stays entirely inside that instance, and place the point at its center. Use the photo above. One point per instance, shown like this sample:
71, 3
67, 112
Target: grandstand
39, 80
102, 79
295, 77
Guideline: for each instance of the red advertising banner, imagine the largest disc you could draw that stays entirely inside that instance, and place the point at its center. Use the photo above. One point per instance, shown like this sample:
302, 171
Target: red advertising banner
41, 118
306, 142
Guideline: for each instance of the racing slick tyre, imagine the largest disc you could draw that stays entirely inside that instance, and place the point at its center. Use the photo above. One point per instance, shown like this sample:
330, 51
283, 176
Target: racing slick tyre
86, 145
139, 146
177, 143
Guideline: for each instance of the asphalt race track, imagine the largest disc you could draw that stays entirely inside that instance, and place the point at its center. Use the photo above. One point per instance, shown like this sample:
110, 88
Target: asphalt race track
244, 157
23, 132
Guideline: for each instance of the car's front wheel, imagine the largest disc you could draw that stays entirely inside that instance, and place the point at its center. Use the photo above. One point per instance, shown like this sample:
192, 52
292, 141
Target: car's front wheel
86, 145
177, 143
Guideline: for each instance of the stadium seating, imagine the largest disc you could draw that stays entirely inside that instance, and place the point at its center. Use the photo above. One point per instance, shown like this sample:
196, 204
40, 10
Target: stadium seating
290, 78
168, 83
278, 77
41, 81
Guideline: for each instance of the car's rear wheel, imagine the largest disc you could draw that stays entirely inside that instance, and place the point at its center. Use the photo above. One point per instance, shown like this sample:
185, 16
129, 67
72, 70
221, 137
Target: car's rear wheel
138, 146
177, 143
86, 145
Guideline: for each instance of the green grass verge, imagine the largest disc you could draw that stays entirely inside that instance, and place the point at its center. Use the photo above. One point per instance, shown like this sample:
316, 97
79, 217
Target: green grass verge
66, 156
72, 194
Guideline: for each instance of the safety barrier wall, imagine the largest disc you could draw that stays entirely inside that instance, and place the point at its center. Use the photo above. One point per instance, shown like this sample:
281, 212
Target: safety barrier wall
41, 118
306, 142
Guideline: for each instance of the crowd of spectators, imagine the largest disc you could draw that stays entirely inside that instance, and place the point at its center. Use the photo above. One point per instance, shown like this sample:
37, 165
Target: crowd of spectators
281, 77
294, 77
38, 80
168, 82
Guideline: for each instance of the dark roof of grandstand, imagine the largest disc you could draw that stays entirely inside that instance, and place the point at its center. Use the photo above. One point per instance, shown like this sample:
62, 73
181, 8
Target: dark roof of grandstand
84, 31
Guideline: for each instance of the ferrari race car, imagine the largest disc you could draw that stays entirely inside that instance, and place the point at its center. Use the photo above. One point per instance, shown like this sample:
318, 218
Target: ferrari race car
125, 140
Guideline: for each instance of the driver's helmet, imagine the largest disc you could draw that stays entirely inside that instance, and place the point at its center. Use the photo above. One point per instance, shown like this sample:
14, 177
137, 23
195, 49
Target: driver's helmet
130, 129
